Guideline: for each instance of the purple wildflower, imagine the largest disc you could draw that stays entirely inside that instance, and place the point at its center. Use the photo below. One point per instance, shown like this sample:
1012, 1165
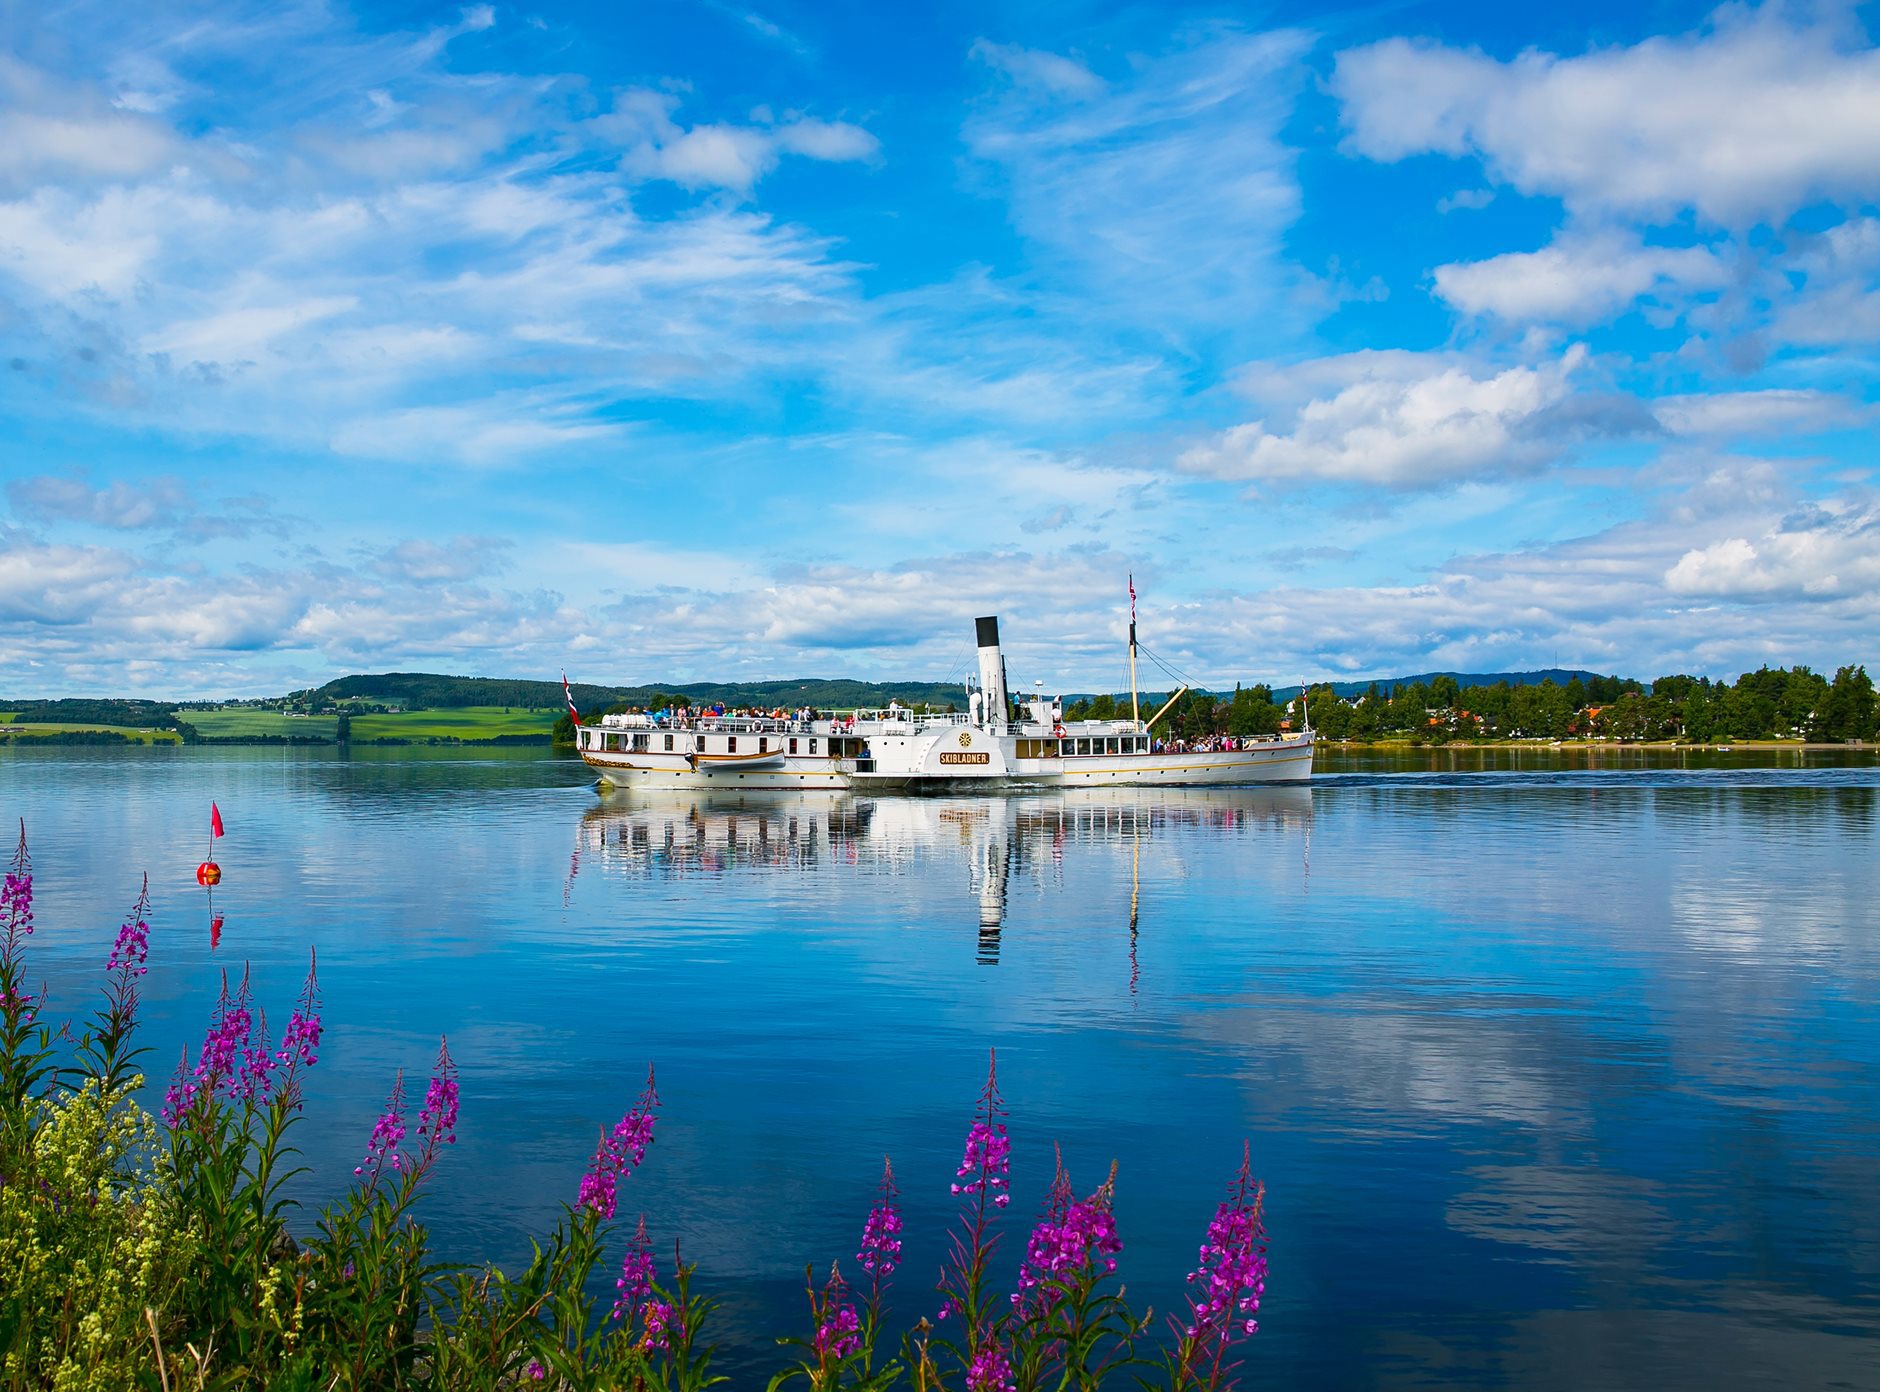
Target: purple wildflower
988, 1158
881, 1233
662, 1325
218, 1063
382, 1149
990, 1370
1232, 1266
618, 1153
302, 1035
1074, 1238
536, 1371
437, 1120
638, 1272
132, 949
16, 899
839, 1334
255, 1082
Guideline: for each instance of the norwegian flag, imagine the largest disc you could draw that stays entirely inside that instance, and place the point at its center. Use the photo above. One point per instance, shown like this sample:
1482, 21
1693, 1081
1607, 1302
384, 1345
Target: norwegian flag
572, 712
1132, 597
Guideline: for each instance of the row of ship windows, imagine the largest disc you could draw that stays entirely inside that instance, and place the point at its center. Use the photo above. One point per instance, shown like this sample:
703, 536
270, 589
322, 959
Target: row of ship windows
1073, 748
728, 744
838, 748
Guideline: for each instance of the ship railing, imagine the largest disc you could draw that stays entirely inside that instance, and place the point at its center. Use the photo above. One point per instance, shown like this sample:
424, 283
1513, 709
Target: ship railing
911, 719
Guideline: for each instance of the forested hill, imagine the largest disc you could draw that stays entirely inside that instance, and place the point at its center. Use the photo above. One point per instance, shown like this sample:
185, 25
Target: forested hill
1559, 676
426, 691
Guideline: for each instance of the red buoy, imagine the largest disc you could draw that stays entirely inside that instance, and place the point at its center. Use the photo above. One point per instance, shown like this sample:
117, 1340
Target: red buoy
208, 873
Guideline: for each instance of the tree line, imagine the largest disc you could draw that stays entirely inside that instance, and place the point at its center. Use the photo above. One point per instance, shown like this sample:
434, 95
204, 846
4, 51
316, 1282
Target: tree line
1769, 703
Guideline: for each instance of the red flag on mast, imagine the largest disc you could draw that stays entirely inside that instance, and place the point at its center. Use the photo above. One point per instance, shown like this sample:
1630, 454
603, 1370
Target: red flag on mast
215, 821
1132, 597
575, 714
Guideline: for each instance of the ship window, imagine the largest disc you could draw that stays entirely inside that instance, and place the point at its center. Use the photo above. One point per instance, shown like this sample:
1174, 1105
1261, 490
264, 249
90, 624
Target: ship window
812, 746
762, 745
669, 744
731, 744
793, 746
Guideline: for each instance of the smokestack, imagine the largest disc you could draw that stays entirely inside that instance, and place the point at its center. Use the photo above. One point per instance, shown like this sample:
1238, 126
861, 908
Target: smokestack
992, 674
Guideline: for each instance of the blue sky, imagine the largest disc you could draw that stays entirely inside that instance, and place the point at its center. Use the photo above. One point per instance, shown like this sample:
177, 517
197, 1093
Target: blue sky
681, 340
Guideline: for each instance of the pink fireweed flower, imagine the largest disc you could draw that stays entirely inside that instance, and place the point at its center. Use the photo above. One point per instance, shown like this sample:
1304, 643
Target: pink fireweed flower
881, 1233
988, 1158
437, 1120
16, 898
990, 1370
382, 1149
1074, 1238
132, 949
840, 1333
255, 1081
218, 1063
1231, 1271
618, 1153
302, 1035
662, 1325
638, 1272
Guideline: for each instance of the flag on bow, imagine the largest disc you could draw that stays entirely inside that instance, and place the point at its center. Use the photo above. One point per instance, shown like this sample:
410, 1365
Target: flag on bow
569, 694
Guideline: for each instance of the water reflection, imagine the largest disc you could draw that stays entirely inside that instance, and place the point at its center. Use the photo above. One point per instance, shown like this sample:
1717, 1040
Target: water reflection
994, 841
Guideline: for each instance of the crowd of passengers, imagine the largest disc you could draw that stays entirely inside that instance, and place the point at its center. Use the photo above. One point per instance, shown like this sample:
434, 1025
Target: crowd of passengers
682, 718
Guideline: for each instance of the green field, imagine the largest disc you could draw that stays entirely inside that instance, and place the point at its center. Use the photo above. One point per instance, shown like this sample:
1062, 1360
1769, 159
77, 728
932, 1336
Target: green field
465, 722
245, 723
133, 732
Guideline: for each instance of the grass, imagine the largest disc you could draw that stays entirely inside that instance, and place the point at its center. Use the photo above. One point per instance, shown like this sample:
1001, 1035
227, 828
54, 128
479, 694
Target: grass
134, 732
245, 722
466, 722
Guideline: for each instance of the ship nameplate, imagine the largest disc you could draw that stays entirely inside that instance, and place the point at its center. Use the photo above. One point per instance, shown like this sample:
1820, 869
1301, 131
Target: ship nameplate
952, 758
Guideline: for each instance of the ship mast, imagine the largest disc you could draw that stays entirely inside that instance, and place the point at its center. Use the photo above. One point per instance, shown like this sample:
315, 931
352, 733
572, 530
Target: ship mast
1135, 702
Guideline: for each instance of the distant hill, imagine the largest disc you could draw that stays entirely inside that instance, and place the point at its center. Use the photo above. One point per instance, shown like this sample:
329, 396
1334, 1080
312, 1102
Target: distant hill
425, 690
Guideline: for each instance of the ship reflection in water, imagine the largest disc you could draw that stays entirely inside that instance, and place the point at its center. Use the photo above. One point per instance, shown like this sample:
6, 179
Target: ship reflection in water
1004, 841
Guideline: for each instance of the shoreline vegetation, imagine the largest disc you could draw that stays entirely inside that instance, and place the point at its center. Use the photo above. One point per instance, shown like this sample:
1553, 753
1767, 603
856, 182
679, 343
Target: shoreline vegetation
1771, 708
141, 1251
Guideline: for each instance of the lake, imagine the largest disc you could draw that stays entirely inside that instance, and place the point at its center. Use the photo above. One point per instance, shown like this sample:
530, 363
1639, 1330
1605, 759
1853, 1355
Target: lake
1562, 1071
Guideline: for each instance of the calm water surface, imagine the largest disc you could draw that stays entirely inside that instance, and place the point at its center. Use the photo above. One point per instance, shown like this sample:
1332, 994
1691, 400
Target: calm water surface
1560, 1075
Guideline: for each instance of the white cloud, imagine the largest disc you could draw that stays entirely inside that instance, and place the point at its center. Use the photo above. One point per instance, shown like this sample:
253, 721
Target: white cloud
1166, 197
716, 155
156, 502
50, 128
1579, 279
1776, 411
1394, 420
1031, 67
1746, 121
1815, 553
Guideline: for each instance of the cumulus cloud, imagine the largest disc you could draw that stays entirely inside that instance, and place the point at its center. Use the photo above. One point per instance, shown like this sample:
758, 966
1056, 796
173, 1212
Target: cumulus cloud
1814, 553
719, 155
1394, 420
1578, 280
1748, 120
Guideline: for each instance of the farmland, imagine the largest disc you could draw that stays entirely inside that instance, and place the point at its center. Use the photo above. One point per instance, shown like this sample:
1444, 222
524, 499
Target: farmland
247, 722
463, 722
138, 733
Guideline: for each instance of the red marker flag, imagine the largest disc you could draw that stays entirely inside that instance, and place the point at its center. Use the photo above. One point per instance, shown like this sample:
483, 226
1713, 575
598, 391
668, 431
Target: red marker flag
215, 821
570, 697
1132, 598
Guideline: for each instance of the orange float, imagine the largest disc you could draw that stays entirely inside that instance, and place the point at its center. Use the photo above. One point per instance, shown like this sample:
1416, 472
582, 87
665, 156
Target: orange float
208, 874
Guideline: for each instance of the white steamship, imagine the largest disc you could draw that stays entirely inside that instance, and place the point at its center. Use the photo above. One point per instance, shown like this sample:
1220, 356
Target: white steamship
995, 744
